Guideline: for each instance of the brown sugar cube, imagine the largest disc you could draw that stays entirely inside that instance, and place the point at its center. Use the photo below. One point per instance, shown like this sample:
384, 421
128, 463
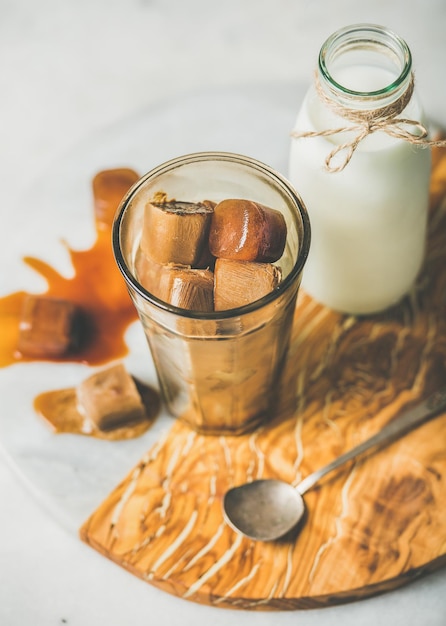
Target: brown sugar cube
110, 399
109, 187
49, 327
237, 283
247, 231
176, 232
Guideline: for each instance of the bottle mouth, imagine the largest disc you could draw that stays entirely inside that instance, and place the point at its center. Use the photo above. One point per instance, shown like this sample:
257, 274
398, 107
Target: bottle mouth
363, 45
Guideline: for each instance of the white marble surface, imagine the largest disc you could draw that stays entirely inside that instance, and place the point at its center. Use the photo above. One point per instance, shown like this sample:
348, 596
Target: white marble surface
69, 70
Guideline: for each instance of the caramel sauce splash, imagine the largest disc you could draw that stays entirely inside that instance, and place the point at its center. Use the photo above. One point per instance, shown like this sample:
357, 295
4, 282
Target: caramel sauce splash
97, 286
99, 291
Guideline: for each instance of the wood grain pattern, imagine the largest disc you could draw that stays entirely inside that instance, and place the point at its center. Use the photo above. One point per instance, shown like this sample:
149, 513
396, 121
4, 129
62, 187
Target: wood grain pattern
371, 526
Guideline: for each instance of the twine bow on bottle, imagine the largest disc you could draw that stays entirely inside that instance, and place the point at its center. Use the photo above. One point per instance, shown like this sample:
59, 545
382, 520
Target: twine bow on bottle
366, 122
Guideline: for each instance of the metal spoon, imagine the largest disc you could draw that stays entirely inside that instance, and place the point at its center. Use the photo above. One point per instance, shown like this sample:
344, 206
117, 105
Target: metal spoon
268, 509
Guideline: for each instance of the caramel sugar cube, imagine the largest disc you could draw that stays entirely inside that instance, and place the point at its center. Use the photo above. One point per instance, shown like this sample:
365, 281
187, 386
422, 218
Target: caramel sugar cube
110, 399
237, 283
176, 232
243, 230
49, 327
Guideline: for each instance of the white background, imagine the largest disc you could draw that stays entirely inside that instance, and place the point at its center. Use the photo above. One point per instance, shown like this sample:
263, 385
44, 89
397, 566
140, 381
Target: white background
71, 68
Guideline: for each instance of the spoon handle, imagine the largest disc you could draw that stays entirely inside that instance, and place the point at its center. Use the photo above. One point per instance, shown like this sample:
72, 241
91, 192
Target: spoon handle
399, 426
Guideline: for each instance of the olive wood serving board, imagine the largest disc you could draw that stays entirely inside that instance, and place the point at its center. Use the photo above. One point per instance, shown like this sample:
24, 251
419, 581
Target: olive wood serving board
371, 526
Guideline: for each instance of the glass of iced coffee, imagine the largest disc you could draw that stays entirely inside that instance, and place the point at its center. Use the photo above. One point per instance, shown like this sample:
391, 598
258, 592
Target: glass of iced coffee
212, 247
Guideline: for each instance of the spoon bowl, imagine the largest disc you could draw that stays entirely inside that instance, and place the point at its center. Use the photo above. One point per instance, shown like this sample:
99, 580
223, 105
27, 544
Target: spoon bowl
263, 509
268, 509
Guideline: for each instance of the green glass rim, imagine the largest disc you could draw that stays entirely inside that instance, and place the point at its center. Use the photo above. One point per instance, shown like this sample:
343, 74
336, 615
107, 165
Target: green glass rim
361, 34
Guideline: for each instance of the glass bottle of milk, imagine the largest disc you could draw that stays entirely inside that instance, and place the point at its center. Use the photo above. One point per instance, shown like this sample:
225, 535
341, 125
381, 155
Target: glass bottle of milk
367, 198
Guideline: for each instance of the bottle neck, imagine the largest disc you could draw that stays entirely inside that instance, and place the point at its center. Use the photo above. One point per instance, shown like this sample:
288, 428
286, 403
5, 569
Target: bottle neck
364, 67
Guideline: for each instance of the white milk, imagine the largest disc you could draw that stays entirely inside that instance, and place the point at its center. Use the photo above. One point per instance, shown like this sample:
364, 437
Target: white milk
369, 220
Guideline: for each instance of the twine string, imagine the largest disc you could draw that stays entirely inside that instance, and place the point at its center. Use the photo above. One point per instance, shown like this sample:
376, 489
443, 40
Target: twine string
367, 122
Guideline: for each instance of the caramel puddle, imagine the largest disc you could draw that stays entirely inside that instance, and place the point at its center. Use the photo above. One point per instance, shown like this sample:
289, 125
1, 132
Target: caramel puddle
96, 287
99, 290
